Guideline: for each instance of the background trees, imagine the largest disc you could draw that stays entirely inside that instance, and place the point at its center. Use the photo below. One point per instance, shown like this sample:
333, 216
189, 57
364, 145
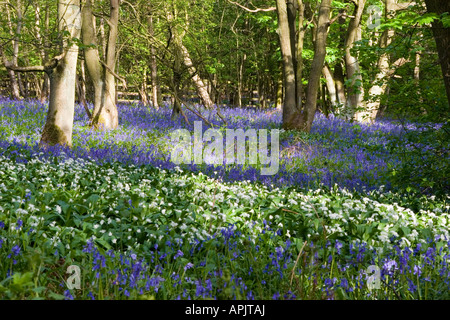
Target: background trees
303, 55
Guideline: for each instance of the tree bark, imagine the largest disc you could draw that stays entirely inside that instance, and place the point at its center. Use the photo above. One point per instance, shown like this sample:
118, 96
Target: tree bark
300, 39
202, 90
442, 38
331, 86
153, 67
290, 103
356, 90
45, 89
104, 115
379, 84
13, 77
59, 122
317, 65
279, 95
339, 81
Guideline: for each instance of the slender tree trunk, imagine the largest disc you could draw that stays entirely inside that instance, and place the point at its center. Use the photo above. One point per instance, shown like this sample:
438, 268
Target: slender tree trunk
317, 65
356, 90
331, 86
240, 79
442, 38
176, 110
103, 37
44, 91
202, 90
81, 91
279, 95
59, 122
379, 85
15, 34
153, 66
339, 81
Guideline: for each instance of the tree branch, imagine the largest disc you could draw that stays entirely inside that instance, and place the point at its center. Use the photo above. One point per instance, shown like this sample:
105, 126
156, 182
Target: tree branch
397, 64
253, 10
47, 67
124, 82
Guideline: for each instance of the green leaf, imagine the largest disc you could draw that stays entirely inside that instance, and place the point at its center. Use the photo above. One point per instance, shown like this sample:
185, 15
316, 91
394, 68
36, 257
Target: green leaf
406, 230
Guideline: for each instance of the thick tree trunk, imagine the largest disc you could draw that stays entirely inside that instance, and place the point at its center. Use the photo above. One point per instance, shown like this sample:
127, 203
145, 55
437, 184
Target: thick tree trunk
442, 38
59, 122
290, 103
104, 115
300, 39
292, 6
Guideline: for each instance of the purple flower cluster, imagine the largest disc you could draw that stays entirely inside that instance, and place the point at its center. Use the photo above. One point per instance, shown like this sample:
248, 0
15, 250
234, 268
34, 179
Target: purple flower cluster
340, 153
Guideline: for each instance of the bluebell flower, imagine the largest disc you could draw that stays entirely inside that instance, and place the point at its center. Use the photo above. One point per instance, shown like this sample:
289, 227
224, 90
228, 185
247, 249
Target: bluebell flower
19, 224
89, 247
430, 255
338, 246
179, 254
15, 250
411, 286
67, 295
390, 266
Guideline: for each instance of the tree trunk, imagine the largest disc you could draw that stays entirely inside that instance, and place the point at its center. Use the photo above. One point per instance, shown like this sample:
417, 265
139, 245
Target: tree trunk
331, 86
176, 83
104, 115
442, 38
379, 85
317, 66
339, 81
44, 56
292, 6
153, 66
240, 80
279, 95
290, 103
59, 122
202, 90
300, 39
13, 77
356, 90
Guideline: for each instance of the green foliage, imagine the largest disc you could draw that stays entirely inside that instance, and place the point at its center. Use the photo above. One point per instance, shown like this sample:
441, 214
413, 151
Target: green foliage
425, 162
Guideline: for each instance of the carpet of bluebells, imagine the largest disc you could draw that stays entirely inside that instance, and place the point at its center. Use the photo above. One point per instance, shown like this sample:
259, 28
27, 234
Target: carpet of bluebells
339, 220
